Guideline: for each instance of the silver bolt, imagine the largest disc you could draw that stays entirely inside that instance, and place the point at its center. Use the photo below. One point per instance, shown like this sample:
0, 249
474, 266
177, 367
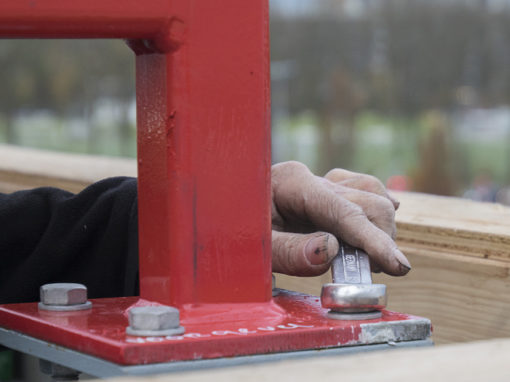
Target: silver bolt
154, 321
351, 295
64, 297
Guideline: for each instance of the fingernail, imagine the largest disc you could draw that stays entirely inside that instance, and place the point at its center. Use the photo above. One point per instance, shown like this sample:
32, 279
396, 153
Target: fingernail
404, 265
317, 250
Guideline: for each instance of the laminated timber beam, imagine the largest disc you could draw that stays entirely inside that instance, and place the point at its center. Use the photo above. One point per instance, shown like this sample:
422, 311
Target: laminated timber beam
459, 249
470, 362
460, 253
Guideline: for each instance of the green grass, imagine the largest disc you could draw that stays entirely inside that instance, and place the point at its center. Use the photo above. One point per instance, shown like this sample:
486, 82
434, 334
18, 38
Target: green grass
493, 157
383, 145
58, 135
390, 145
396, 153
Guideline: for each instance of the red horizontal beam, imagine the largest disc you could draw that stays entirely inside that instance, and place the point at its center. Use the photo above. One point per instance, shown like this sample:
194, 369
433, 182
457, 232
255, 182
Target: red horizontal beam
127, 19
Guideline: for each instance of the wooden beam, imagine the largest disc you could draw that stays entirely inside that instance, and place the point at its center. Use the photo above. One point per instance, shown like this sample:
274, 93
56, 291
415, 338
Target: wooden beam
466, 298
459, 249
25, 168
460, 253
468, 362
454, 225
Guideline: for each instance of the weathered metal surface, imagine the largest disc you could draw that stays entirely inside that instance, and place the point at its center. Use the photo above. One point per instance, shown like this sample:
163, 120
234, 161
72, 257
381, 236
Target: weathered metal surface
204, 188
353, 298
63, 294
203, 94
84, 19
204, 157
352, 290
291, 322
64, 297
149, 321
351, 266
103, 369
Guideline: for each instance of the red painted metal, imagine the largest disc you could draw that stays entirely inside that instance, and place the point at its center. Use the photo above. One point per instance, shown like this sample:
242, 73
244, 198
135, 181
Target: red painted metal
128, 19
204, 184
204, 158
203, 135
291, 322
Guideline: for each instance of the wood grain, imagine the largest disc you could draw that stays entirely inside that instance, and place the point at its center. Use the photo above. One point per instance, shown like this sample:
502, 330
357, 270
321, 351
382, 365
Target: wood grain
459, 249
468, 362
454, 226
466, 298
24, 168
460, 253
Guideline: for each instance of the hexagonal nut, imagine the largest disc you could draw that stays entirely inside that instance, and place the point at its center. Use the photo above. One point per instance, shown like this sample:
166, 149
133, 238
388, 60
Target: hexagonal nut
154, 318
63, 294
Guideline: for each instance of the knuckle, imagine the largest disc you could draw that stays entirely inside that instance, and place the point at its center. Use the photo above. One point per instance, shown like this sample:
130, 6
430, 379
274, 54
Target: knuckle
379, 205
335, 173
353, 211
286, 174
385, 209
277, 246
381, 213
385, 205
289, 246
294, 167
371, 183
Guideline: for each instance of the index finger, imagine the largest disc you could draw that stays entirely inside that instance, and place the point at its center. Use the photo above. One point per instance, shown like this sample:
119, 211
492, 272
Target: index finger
317, 202
361, 182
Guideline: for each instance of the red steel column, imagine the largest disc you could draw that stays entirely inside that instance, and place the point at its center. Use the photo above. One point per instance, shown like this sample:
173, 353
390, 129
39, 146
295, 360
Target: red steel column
204, 155
203, 135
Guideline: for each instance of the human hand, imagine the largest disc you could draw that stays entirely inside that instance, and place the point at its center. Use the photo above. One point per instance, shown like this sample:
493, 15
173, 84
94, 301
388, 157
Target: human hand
310, 212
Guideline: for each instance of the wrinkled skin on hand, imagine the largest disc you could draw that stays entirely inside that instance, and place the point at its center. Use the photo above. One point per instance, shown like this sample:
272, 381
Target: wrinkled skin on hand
310, 212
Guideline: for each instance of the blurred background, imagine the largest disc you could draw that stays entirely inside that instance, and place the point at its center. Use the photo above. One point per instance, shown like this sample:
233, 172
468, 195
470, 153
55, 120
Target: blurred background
415, 92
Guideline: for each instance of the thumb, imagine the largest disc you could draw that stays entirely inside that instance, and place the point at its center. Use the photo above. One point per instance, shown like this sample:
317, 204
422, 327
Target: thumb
303, 254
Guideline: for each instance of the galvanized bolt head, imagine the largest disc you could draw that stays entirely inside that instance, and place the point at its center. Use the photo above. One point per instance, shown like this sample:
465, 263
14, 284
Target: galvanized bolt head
63, 294
154, 318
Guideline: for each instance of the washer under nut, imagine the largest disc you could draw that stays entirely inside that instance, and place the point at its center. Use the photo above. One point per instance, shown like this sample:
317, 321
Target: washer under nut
64, 297
353, 298
351, 295
153, 321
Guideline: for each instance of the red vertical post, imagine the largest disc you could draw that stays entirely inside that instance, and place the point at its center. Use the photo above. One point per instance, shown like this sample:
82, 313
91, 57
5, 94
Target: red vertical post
203, 101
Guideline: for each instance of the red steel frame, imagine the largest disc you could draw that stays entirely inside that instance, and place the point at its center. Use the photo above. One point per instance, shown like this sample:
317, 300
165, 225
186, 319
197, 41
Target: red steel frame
203, 98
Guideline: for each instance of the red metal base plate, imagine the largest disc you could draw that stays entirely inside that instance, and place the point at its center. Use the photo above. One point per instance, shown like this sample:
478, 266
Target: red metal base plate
290, 322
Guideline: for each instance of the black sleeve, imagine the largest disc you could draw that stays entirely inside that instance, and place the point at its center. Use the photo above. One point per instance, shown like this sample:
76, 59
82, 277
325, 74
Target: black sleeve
50, 235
